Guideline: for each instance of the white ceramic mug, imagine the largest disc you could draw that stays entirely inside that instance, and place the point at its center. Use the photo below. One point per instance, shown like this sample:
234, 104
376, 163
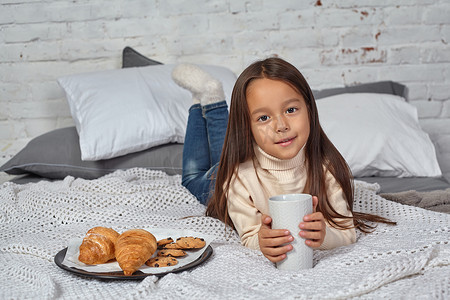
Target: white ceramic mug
287, 211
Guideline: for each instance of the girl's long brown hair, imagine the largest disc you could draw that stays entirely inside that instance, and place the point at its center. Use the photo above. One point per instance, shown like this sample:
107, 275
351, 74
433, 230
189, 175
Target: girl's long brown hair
320, 153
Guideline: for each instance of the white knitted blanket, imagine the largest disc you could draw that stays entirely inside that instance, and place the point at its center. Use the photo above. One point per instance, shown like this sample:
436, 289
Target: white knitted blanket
410, 260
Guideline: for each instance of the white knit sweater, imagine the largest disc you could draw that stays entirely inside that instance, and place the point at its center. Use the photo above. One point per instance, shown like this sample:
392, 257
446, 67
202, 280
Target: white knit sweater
256, 181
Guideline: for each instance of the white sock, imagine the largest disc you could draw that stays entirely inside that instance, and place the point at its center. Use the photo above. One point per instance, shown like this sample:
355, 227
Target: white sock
205, 89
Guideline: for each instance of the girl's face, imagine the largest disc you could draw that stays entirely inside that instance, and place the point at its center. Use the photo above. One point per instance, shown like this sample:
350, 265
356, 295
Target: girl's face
278, 117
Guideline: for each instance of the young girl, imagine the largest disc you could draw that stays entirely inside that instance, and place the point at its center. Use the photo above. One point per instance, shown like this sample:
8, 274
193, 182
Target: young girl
273, 144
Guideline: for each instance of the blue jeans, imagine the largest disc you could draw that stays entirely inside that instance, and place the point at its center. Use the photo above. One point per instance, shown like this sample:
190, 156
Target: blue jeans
202, 148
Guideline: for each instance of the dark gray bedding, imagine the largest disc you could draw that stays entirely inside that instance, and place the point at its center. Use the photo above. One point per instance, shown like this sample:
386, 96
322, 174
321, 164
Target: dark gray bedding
438, 200
424, 192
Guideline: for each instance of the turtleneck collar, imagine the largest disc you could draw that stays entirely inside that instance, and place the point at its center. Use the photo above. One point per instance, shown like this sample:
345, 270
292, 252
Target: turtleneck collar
269, 162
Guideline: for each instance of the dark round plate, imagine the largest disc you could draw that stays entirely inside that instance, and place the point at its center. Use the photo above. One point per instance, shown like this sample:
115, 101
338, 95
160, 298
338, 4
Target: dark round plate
59, 258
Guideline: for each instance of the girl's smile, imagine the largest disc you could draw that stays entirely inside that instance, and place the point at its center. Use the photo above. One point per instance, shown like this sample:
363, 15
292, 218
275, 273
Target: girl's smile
279, 117
285, 142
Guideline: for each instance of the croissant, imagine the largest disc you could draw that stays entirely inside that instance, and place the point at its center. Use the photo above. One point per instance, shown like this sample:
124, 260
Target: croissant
133, 248
98, 246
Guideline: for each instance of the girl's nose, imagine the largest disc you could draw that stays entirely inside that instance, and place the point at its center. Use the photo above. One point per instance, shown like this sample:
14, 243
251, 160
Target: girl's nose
282, 124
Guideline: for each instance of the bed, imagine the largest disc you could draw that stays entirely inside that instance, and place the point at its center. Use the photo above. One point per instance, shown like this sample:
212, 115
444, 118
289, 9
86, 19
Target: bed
64, 186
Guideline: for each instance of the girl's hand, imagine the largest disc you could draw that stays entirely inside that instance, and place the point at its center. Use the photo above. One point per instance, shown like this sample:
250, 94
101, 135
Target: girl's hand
315, 225
270, 240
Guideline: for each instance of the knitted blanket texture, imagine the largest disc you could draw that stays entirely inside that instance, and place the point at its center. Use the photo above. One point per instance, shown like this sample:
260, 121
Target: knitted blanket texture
407, 261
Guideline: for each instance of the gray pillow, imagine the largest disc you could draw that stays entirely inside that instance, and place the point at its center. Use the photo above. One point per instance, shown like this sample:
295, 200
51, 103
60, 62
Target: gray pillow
131, 58
380, 87
57, 154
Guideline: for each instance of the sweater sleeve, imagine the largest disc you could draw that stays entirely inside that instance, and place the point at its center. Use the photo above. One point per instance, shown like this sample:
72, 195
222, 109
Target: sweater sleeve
245, 216
335, 237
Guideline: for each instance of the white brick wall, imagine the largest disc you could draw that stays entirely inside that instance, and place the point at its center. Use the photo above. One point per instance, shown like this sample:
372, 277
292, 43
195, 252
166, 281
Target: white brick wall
334, 43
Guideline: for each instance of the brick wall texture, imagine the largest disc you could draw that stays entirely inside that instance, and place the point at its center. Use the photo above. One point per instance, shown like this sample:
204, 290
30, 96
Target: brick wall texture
333, 43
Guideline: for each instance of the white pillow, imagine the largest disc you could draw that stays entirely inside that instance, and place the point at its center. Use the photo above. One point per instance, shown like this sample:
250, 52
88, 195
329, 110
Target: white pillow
378, 135
127, 110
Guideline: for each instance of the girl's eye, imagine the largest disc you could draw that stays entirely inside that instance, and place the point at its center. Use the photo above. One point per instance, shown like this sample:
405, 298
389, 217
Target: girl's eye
263, 118
291, 110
